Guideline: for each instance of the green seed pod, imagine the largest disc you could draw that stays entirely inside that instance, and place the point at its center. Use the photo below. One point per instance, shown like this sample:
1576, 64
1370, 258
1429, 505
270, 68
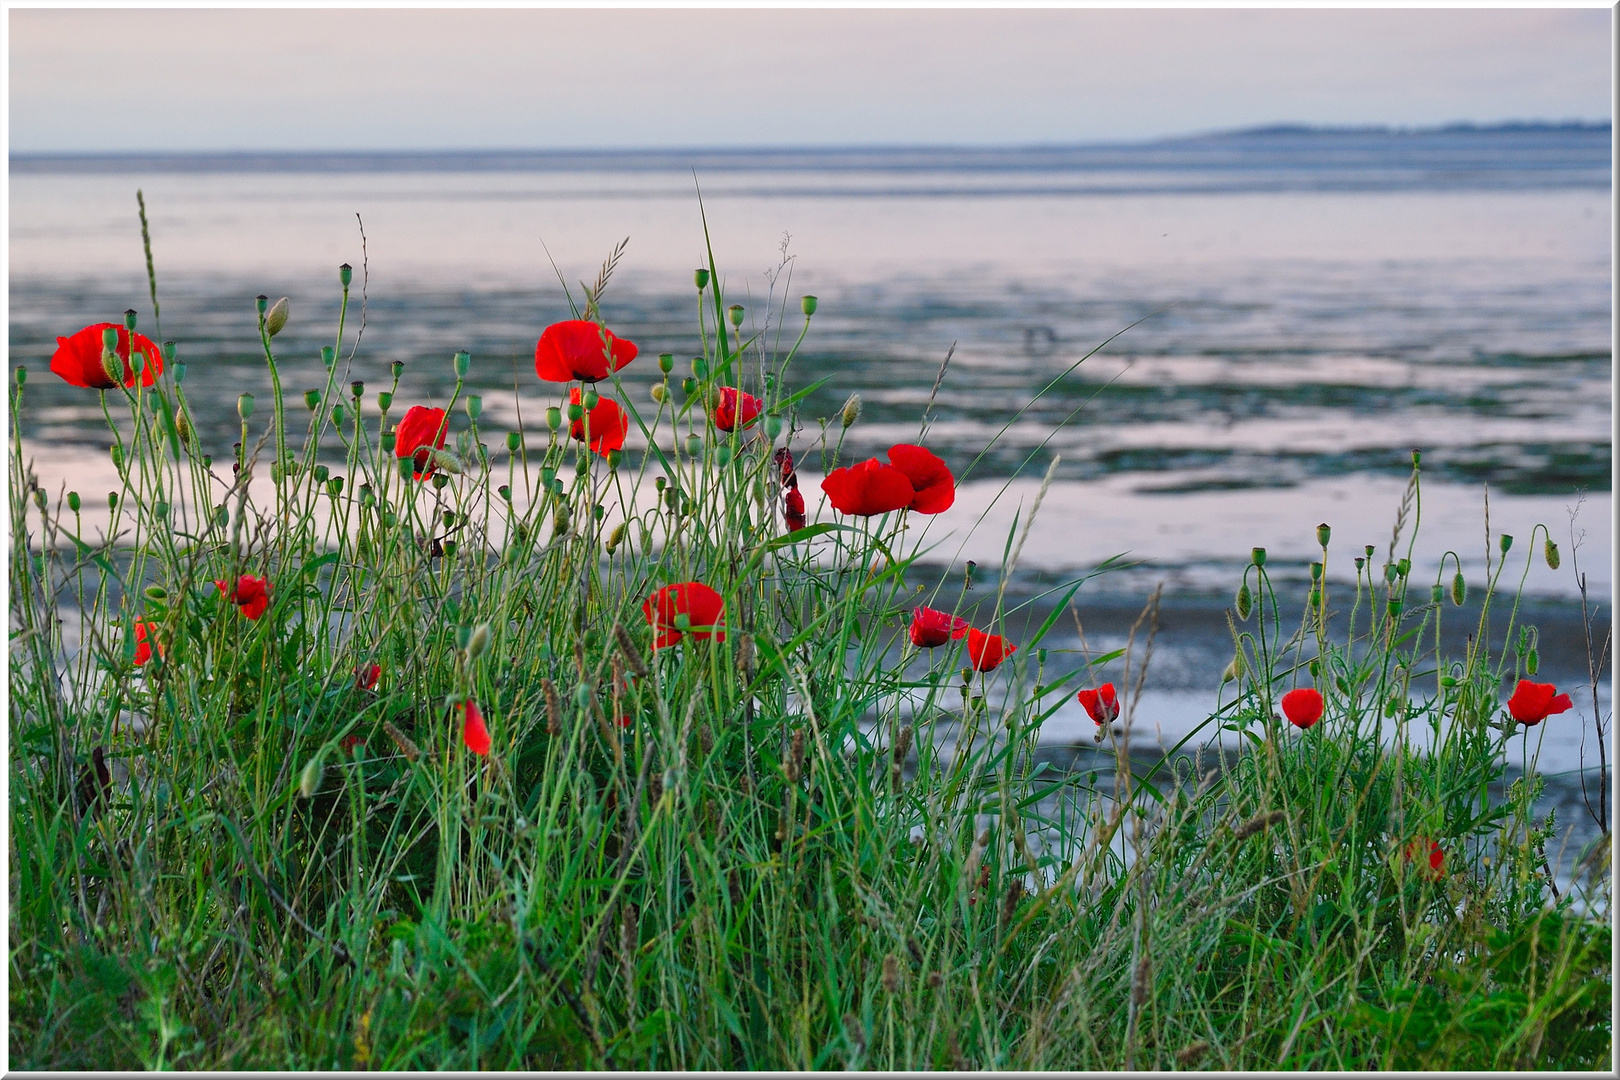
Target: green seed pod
440, 480
548, 476
576, 413
179, 374
1417, 458
160, 511
389, 440
1244, 603
22, 375
666, 362
1390, 573
1394, 606
312, 399
505, 492
599, 511
1323, 533
1437, 594
262, 303
385, 400
328, 356
1316, 599
689, 386
398, 369
683, 621
129, 319
701, 277
1532, 661
1316, 571
461, 362
722, 455
112, 500
736, 312
694, 445
345, 275
807, 304
222, 516
1369, 550
276, 318
852, 410
514, 441
773, 427
1403, 567
559, 521
448, 517
244, 406
367, 496
339, 414
553, 417
73, 501
1506, 543
660, 482
659, 392
334, 486
615, 458
700, 367
1258, 556
582, 464
357, 389
1360, 563
672, 498
591, 399
1550, 553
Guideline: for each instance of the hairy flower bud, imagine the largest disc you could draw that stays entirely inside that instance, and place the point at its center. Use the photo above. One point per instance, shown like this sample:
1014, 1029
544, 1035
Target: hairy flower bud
1245, 602
276, 318
852, 410
309, 781
659, 392
478, 641
553, 417
1550, 552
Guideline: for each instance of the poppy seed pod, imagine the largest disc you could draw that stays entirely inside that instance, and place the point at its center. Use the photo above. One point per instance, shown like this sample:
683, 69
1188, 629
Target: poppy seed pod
312, 399
553, 417
334, 487
262, 303
475, 407
736, 312
1323, 533
590, 400
773, 427
1316, 571
1437, 594
852, 410
700, 367
1550, 552
179, 374
701, 277
1258, 556
276, 319
440, 481
689, 386
345, 275
328, 356
694, 445
666, 362
339, 414
73, 501
385, 401
321, 473
514, 441
1506, 543
461, 362
1403, 567
807, 304
576, 412
244, 406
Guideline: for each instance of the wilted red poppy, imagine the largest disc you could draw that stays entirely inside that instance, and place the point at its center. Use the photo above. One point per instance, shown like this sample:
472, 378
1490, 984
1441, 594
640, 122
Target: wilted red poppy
784, 461
1532, 702
473, 731
145, 640
251, 595
1437, 857
932, 483
365, 678
868, 488
419, 432
580, 349
703, 607
1101, 704
78, 358
608, 423
986, 651
734, 409
793, 510
1303, 707
930, 628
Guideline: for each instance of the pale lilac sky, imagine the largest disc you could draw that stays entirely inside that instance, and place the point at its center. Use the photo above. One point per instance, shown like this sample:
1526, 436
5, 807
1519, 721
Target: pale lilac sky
417, 79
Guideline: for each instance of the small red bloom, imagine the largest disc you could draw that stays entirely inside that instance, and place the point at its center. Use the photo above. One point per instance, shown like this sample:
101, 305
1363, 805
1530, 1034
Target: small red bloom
419, 432
703, 607
349, 742
145, 640
734, 409
1437, 857
1101, 704
78, 358
793, 510
932, 482
1303, 707
1532, 703
931, 628
580, 349
251, 595
784, 461
473, 731
365, 678
607, 421
868, 488
986, 651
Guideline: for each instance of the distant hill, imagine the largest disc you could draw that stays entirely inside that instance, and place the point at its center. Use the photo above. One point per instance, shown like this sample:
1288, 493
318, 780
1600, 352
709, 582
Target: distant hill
1506, 127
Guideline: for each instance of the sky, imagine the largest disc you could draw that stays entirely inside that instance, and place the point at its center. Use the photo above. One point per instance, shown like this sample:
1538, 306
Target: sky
379, 79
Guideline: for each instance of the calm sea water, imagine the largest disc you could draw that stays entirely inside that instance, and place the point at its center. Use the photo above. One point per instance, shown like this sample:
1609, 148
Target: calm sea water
1303, 310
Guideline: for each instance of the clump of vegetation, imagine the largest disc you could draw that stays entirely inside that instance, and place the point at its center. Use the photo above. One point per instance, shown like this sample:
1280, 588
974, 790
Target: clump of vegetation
382, 748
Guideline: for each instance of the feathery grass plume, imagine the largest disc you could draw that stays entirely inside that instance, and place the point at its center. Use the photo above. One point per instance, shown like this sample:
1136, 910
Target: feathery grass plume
1009, 903
1258, 823
554, 710
632, 655
745, 658
891, 974
1192, 1054
897, 759
794, 767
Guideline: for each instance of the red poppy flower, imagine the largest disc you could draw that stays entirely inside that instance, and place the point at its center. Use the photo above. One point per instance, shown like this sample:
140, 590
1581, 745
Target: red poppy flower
365, 678
1437, 857
930, 628
419, 432
932, 482
78, 358
145, 641
608, 423
580, 349
1303, 707
986, 651
793, 510
703, 607
473, 731
868, 488
1532, 703
251, 595
349, 742
1101, 704
734, 409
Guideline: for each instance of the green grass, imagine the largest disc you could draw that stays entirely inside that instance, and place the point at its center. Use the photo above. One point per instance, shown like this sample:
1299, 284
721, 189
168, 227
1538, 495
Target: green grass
748, 875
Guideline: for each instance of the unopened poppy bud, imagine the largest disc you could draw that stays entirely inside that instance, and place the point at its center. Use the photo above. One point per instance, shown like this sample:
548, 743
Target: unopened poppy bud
807, 304
615, 458
559, 521
339, 414
591, 399
1316, 598
1258, 556
553, 417
736, 312
683, 621
312, 399
1244, 602
73, 501
701, 277
276, 319
576, 413
39, 498
117, 453
156, 592
1550, 552
694, 445
478, 641
582, 465
615, 538
461, 362
1323, 532
1532, 661
852, 410
773, 427
659, 392
244, 406
22, 375
1506, 543
722, 455
309, 781
345, 275
1234, 670
111, 364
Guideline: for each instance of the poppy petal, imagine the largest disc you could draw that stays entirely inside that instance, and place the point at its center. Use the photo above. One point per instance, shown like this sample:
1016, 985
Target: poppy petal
868, 488
931, 480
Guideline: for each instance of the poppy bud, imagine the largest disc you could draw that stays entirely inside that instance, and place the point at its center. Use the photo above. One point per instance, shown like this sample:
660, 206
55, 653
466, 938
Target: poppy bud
736, 311
22, 375
616, 537
328, 356
244, 406
475, 407
339, 414
694, 445
112, 500
659, 392
478, 641
614, 459
39, 498
683, 621
576, 413
1550, 552
722, 455
73, 501
852, 410
700, 367
156, 592
312, 399
1245, 602
1532, 661
1233, 670
1316, 598
689, 386
461, 361
773, 427
111, 364
1258, 556
277, 317
309, 781
807, 304
1323, 532
559, 521
1506, 542
701, 277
